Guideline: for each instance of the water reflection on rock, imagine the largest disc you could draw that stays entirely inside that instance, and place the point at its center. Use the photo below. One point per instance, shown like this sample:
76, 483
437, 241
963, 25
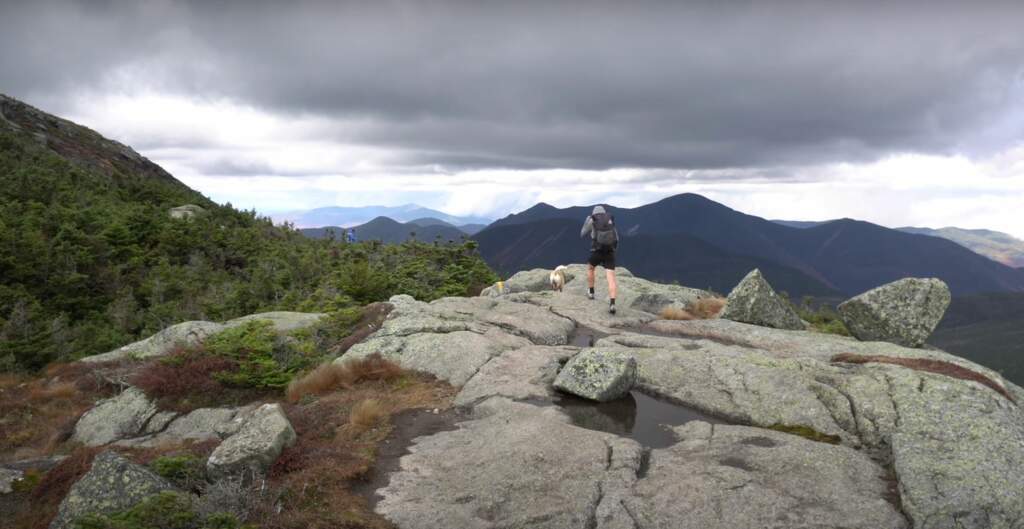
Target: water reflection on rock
637, 416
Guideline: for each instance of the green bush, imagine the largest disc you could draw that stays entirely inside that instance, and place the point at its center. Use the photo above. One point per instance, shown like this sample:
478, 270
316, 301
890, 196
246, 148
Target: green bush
91, 262
184, 470
167, 510
822, 317
263, 360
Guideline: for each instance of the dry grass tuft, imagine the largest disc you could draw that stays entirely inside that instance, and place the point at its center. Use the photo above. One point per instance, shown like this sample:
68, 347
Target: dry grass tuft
707, 308
702, 309
928, 365
38, 414
676, 313
315, 476
366, 414
184, 380
44, 499
330, 376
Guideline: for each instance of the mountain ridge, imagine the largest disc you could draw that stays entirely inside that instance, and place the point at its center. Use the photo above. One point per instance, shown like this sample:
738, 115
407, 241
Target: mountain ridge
388, 230
844, 255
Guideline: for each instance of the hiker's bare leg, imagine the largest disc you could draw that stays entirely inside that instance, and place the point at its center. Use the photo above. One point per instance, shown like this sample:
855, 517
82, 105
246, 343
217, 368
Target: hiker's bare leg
591, 276
612, 287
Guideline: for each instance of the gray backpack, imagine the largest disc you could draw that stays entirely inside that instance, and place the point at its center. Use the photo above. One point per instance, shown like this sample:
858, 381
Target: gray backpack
605, 237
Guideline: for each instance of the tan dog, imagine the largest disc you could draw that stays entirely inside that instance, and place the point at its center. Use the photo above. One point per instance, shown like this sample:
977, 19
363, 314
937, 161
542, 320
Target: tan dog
557, 278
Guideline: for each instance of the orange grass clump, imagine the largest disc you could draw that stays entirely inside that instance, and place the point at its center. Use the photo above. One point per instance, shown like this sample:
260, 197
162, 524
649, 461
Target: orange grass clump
928, 365
707, 308
676, 313
366, 414
38, 414
702, 309
330, 376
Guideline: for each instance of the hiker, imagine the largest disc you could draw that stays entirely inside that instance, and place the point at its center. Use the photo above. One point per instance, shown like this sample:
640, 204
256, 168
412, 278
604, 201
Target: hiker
604, 240
352, 235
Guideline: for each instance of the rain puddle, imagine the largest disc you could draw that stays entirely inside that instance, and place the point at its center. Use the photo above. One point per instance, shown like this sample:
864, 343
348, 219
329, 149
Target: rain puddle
637, 416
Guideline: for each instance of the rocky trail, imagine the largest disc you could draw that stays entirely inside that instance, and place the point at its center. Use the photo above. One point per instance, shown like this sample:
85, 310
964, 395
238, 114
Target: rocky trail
723, 425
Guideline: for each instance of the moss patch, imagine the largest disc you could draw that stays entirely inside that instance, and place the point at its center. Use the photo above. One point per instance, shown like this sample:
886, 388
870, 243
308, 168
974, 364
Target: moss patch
167, 510
806, 432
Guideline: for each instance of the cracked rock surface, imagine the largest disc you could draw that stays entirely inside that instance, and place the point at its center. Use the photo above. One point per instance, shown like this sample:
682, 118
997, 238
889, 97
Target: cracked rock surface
742, 477
948, 451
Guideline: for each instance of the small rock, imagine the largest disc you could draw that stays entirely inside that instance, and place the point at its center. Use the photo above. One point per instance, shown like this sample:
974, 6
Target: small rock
7, 479
187, 211
112, 484
597, 375
753, 301
536, 280
903, 312
118, 417
256, 445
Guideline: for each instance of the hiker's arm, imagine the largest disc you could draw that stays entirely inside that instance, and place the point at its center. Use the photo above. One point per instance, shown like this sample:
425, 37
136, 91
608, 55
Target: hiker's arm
588, 226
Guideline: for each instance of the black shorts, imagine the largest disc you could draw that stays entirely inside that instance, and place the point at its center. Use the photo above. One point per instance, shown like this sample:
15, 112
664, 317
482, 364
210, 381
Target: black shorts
602, 258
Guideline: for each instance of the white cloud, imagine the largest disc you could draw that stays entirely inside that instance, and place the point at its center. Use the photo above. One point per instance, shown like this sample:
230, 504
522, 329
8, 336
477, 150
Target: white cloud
273, 163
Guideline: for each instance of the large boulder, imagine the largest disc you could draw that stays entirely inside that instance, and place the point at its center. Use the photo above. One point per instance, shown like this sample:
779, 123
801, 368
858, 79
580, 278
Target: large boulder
187, 334
204, 424
119, 417
753, 301
903, 312
112, 484
255, 447
598, 375
283, 321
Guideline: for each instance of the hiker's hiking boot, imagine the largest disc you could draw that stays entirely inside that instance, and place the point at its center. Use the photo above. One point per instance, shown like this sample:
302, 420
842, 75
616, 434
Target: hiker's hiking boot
611, 308
590, 295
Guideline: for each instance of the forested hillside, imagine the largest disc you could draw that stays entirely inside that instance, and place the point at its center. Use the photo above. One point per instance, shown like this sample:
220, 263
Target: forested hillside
90, 258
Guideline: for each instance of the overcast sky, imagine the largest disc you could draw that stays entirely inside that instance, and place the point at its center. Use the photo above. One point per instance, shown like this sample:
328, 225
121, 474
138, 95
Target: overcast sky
901, 115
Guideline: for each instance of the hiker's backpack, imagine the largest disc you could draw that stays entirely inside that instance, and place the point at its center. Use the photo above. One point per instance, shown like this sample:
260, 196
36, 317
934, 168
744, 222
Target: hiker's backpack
605, 237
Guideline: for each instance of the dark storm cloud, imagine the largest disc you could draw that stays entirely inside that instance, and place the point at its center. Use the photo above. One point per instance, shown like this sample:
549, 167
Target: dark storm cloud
563, 84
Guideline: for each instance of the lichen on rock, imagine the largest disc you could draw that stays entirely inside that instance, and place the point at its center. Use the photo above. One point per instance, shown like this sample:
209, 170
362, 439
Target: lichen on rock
903, 312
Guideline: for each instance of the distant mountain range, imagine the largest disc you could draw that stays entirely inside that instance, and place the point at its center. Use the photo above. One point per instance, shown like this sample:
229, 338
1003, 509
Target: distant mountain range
354, 216
699, 242
390, 231
996, 245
